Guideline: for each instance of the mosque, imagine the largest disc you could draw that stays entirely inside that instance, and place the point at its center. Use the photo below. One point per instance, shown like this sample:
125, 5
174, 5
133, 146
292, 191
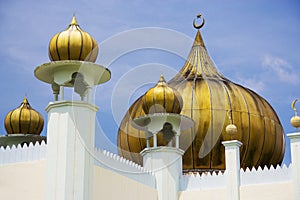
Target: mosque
196, 136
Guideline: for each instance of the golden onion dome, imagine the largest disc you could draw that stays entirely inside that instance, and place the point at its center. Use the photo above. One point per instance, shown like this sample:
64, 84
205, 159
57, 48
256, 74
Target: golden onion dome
24, 120
73, 44
207, 98
162, 99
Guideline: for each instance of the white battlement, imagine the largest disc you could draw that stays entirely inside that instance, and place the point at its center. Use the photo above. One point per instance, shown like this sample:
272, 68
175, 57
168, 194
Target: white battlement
278, 174
266, 175
124, 167
25, 153
195, 181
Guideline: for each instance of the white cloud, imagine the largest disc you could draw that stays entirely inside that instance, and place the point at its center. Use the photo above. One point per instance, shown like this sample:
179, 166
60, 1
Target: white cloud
281, 68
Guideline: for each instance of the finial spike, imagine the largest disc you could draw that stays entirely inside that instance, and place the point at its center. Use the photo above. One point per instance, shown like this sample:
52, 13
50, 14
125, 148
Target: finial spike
74, 21
25, 100
162, 78
198, 26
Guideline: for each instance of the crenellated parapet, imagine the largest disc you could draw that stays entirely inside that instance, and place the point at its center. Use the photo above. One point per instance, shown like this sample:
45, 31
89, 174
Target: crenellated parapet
23, 153
266, 175
123, 166
106, 158
197, 181
278, 174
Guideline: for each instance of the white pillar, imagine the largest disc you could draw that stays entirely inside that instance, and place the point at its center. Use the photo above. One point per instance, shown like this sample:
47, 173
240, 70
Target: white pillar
166, 163
232, 172
155, 139
62, 93
295, 156
70, 144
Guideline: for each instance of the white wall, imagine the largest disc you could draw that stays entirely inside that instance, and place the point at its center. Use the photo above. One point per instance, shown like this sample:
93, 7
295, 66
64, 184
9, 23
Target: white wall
23, 181
109, 185
274, 191
23, 171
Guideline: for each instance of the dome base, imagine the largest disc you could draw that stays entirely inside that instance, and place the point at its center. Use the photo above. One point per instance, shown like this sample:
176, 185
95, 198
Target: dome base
60, 72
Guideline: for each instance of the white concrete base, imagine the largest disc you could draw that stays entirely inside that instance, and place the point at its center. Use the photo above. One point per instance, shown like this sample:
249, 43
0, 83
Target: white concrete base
71, 128
166, 164
232, 172
295, 156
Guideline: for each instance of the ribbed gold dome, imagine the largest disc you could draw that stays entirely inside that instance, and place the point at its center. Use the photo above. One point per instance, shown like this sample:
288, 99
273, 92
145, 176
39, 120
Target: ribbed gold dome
73, 44
162, 99
207, 97
24, 120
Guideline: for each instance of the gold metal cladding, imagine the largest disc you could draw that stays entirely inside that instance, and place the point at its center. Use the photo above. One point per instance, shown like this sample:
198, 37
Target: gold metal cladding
73, 44
162, 99
207, 97
24, 120
196, 26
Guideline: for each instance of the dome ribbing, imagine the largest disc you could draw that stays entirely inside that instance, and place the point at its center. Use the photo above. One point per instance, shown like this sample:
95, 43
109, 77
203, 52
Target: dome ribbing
73, 44
207, 98
162, 99
24, 120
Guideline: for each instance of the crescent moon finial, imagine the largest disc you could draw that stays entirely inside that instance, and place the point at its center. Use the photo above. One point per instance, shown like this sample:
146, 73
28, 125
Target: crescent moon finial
293, 106
198, 26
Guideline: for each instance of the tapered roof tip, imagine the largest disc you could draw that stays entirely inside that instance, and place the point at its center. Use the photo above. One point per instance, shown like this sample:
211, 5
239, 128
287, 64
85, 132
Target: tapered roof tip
74, 21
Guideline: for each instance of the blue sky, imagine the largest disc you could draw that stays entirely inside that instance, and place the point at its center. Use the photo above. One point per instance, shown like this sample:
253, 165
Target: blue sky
253, 43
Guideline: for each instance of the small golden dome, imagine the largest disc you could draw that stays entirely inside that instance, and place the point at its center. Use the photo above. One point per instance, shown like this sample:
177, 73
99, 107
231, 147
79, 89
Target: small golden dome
231, 129
24, 120
162, 99
295, 121
73, 44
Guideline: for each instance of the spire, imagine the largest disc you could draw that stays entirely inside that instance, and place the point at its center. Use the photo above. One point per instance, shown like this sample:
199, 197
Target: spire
198, 40
162, 79
25, 101
198, 63
74, 21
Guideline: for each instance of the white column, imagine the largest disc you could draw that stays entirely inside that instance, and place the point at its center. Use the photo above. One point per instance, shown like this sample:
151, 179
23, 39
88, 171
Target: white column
295, 156
62, 93
155, 139
232, 172
70, 144
166, 163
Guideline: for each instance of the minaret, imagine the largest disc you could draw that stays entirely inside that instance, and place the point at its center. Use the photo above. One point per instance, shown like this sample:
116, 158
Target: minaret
71, 124
162, 105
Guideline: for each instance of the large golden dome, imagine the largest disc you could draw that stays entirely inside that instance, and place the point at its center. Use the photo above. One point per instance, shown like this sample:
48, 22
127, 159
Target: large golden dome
208, 98
73, 44
24, 120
